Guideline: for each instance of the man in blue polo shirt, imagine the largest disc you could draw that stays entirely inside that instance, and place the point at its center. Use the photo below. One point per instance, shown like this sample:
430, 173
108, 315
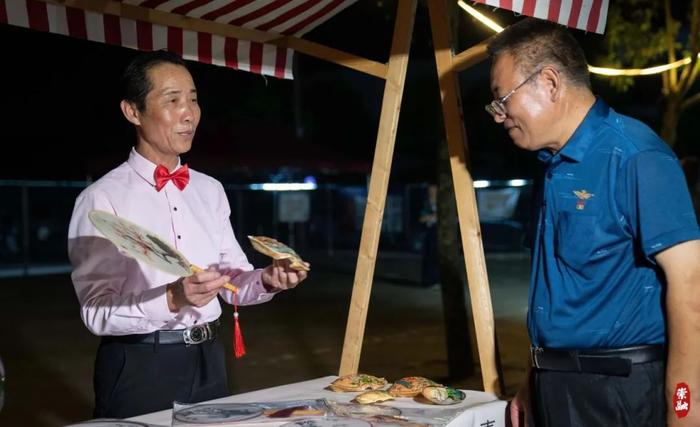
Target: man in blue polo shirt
614, 306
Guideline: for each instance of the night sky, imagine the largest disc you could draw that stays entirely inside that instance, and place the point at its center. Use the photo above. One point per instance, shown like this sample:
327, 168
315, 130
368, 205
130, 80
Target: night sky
61, 108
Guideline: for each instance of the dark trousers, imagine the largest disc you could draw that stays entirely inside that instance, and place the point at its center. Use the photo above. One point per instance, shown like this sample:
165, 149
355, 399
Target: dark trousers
134, 379
561, 399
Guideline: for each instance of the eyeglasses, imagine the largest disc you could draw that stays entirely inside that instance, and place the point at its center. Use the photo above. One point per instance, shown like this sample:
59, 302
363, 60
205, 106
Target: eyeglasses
497, 107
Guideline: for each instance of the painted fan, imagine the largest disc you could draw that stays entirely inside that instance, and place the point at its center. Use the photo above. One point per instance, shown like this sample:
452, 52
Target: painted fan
140, 244
278, 250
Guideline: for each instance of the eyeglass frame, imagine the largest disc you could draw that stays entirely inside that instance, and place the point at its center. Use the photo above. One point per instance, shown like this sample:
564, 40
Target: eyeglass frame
497, 104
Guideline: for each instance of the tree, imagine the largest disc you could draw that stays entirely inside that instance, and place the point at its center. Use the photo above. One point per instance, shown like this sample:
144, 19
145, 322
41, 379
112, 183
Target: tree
642, 33
460, 361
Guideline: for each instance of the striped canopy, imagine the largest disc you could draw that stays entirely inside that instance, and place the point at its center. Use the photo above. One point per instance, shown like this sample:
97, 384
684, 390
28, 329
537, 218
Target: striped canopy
283, 17
587, 15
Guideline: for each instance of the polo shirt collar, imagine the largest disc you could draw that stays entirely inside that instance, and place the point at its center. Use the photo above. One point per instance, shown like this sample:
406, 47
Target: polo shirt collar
144, 167
578, 144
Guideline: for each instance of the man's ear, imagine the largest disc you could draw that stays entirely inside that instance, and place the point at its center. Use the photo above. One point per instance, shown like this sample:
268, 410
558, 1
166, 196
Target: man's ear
552, 82
130, 111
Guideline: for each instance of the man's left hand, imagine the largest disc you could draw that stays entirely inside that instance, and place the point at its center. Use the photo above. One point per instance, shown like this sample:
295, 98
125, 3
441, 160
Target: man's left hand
280, 276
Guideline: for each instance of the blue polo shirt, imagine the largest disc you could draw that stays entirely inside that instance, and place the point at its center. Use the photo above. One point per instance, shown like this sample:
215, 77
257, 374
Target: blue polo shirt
612, 197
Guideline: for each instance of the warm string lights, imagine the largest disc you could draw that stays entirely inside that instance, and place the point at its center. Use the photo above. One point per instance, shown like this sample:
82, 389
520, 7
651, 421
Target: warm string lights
595, 70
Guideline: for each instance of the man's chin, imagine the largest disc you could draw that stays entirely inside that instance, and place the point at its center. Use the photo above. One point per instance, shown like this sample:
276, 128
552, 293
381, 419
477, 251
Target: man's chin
524, 145
515, 135
184, 146
518, 140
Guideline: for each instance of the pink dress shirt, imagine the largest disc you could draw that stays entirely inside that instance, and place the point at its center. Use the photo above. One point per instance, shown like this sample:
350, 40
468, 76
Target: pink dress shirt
119, 295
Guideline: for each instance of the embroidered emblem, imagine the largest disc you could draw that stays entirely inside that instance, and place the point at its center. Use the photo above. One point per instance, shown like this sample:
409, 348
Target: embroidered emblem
582, 196
681, 400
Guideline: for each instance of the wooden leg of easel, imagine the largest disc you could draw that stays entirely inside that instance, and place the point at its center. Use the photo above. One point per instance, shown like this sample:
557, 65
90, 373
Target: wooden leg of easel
379, 181
466, 200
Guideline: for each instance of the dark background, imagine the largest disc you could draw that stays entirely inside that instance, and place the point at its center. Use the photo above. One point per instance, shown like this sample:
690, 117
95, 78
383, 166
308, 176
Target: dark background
61, 121
62, 118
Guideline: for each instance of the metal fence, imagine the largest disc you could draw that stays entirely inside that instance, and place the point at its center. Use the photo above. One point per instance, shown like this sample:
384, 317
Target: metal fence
34, 218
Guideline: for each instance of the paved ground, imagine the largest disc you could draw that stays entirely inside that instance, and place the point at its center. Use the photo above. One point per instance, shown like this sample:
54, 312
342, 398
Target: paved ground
48, 353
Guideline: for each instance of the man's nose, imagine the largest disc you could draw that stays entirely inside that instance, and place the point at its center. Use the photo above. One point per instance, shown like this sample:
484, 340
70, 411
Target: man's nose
188, 113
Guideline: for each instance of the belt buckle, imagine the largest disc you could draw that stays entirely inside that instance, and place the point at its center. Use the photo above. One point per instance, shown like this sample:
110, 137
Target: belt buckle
196, 334
534, 353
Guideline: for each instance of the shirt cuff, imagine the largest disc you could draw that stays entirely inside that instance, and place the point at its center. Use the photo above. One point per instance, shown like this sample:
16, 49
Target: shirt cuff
251, 289
669, 239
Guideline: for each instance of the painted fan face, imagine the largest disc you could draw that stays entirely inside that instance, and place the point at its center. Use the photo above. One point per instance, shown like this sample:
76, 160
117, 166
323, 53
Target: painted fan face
216, 413
140, 244
443, 395
277, 250
410, 386
373, 397
357, 382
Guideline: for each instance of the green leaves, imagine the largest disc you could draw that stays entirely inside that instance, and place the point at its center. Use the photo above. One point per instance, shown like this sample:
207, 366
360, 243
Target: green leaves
636, 37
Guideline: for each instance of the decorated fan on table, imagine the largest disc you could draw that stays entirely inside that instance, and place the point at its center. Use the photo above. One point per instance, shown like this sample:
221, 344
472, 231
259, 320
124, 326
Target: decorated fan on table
143, 245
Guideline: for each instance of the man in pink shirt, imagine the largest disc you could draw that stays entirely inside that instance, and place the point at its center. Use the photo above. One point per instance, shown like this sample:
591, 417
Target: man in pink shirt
159, 332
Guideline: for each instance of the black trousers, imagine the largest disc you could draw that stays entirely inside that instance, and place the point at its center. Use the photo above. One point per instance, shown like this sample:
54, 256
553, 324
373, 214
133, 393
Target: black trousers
134, 379
561, 399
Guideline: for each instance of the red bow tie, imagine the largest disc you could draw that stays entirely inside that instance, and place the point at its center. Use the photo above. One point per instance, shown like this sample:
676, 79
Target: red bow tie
180, 177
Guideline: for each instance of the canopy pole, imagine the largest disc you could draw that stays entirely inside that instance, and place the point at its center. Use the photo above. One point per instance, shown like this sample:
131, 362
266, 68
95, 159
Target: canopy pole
470, 57
378, 184
466, 199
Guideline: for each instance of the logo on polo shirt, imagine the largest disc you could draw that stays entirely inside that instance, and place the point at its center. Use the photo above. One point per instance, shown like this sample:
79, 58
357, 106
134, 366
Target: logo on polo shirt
582, 196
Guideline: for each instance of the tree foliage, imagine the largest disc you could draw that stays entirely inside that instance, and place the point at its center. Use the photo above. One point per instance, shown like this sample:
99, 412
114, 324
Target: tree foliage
644, 33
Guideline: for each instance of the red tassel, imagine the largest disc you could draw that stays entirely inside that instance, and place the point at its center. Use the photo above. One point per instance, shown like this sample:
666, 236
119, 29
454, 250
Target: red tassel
238, 344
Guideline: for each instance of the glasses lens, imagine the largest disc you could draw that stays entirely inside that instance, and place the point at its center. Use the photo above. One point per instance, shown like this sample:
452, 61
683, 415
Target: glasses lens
495, 108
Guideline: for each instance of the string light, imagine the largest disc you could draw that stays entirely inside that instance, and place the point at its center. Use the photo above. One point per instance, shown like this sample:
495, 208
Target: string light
638, 71
595, 70
480, 17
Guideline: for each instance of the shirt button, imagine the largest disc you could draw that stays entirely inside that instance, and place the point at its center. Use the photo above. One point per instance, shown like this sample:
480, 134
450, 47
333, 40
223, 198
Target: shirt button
175, 208
179, 237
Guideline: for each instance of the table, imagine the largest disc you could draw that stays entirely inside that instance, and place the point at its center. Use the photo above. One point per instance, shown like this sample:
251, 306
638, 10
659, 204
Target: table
479, 409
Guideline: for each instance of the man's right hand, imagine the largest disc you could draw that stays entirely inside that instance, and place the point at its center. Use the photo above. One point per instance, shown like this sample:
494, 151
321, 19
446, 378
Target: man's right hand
519, 407
196, 290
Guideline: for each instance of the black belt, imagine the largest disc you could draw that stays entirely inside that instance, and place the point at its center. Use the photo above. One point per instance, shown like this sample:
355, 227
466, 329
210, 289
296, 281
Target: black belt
196, 334
617, 361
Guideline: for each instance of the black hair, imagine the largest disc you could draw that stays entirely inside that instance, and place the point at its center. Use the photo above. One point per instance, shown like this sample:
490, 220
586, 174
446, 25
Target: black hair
534, 43
135, 81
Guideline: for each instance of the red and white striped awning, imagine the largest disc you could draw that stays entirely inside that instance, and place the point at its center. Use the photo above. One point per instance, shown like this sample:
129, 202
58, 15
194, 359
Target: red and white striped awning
587, 15
286, 17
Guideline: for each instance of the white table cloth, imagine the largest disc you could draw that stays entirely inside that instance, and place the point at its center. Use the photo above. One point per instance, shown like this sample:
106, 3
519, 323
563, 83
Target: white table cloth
479, 409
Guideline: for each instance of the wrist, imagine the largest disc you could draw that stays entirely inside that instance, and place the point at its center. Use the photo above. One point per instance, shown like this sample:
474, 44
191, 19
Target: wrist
171, 296
269, 288
266, 278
